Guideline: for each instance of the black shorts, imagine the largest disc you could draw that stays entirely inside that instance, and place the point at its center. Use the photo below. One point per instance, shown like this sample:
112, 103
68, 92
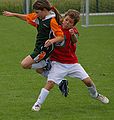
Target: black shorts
47, 50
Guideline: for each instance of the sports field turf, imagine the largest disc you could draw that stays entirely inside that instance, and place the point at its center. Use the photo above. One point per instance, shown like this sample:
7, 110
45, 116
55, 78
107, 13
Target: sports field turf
19, 88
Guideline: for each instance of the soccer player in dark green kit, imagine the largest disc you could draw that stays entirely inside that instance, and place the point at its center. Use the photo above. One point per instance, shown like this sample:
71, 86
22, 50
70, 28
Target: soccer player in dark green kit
46, 20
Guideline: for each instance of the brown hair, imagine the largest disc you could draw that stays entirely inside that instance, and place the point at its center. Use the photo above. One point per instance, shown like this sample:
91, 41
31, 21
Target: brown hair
73, 14
41, 4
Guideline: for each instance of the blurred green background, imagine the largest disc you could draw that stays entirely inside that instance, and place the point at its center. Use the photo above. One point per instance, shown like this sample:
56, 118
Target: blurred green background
61, 5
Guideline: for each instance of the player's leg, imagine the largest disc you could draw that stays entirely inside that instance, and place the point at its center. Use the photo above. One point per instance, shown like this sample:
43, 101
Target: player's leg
57, 74
27, 62
43, 95
79, 72
54, 77
93, 92
63, 85
91, 87
31, 61
43, 67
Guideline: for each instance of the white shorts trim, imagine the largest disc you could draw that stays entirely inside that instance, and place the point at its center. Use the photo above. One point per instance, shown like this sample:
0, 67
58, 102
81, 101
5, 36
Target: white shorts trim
59, 71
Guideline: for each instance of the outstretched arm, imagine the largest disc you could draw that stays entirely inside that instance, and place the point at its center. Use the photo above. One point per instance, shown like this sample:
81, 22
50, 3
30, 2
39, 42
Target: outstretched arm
11, 14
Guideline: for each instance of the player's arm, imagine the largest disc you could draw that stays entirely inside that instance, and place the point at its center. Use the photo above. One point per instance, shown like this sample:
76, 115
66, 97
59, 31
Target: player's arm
59, 35
74, 36
11, 14
30, 18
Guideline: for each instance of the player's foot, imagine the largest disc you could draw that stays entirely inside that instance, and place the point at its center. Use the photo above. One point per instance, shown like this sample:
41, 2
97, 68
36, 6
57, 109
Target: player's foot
36, 107
102, 98
63, 86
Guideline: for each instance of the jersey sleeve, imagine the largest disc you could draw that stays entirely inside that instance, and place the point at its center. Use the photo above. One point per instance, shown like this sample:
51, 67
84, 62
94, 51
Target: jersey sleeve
56, 28
30, 18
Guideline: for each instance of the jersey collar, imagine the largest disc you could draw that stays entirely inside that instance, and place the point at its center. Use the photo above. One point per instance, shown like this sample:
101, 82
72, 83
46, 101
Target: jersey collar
51, 15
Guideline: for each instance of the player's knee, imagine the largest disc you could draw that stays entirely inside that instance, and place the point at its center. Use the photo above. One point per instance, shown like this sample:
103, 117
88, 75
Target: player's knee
88, 82
24, 65
49, 85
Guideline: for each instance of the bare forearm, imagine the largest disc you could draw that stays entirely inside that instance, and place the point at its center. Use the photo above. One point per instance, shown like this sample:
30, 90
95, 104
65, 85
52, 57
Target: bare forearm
73, 38
57, 39
21, 16
54, 40
11, 14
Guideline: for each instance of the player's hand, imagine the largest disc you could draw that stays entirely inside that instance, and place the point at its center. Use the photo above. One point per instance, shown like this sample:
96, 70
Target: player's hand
9, 14
71, 31
48, 43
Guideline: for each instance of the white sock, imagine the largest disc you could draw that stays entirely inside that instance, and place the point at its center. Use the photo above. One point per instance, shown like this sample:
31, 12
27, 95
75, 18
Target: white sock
41, 64
43, 94
45, 73
34, 66
93, 92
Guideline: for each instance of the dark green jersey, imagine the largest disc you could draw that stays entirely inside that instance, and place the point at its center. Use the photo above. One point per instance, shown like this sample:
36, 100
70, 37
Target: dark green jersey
47, 29
44, 32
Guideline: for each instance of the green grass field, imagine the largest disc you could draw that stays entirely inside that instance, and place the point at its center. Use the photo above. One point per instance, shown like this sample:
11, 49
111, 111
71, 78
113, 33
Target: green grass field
19, 88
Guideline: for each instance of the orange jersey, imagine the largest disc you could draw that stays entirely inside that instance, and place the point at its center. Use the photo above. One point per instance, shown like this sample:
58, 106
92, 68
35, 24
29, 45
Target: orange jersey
31, 19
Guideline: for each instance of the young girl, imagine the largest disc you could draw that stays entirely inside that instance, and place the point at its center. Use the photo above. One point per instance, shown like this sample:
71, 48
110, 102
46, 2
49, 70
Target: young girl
49, 32
65, 63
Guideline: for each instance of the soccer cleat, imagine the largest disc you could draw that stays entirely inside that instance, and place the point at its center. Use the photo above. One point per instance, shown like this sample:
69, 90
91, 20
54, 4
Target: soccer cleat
36, 107
63, 86
102, 98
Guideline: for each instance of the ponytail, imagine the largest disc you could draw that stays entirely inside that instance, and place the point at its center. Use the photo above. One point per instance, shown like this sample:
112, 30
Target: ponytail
58, 15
